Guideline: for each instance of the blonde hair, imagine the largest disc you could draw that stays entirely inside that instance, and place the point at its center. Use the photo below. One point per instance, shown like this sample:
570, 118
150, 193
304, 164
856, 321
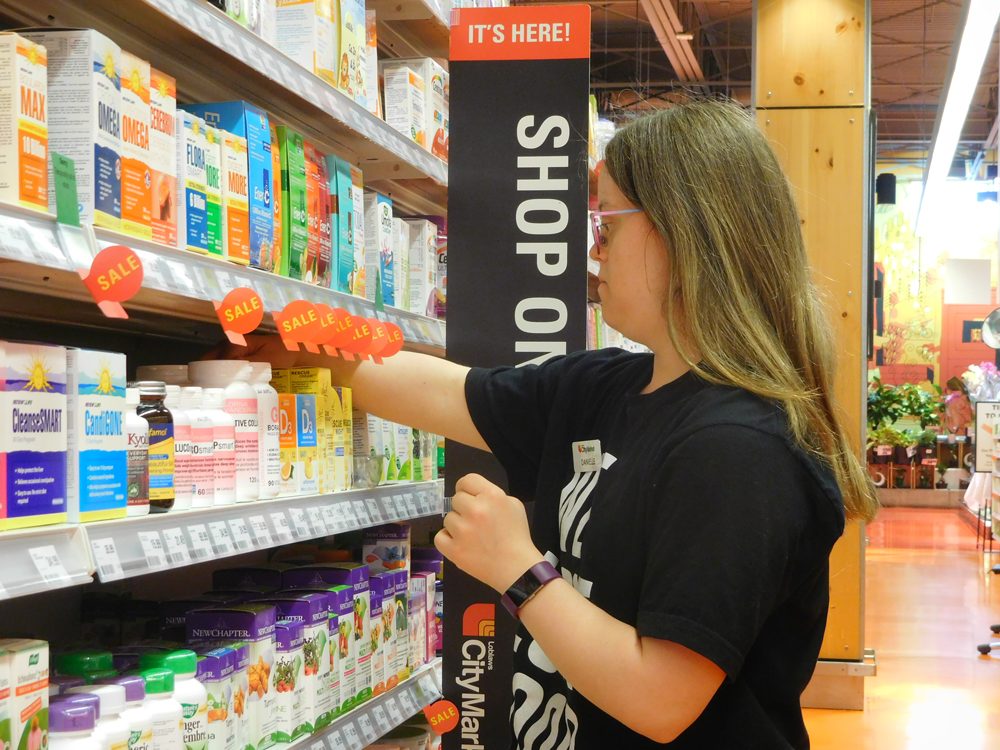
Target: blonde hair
740, 283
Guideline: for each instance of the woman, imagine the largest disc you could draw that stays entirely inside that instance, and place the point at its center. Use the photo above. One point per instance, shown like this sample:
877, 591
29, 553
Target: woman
688, 498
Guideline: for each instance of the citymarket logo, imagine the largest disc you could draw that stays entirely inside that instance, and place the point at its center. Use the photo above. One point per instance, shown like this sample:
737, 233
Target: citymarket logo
478, 634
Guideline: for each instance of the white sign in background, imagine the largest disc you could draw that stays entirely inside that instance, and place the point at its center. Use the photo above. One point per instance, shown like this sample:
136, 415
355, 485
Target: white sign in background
987, 430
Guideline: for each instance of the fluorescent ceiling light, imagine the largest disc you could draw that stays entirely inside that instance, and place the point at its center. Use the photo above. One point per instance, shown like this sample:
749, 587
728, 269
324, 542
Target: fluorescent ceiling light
980, 22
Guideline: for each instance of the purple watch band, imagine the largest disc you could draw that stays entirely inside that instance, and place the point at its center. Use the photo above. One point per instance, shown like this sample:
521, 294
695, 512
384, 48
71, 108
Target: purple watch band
527, 586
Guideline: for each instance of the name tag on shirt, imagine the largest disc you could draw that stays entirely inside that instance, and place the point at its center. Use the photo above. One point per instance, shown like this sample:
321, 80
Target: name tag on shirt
586, 455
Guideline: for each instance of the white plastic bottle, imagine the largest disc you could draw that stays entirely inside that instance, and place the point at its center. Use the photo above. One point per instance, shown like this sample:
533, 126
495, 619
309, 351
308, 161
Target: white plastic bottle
270, 429
223, 446
183, 490
137, 429
168, 717
190, 693
111, 729
202, 448
241, 404
136, 715
71, 726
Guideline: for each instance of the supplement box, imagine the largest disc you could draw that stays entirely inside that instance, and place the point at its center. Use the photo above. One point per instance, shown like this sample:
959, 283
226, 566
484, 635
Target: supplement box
435, 104
380, 637
251, 123
316, 382
314, 210
163, 157
400, 619
330, 671
312, 612
33, 437
288, 444
386, 548
325, 262
358, 228
215, 672
239, 739
24, 125
25, 662
366, 434
254, 624
235, 198
379, 247
135, 155
288, 683
417, 622
348, 276
352, 69
401, 263
405, 96
389, 451
214, 227
343, 442
307, 439
84, 100
277, 248
373, 99
425, 582
259, 576
96, 460
294, 218
192, 183
305, 32
423, 265
404, 452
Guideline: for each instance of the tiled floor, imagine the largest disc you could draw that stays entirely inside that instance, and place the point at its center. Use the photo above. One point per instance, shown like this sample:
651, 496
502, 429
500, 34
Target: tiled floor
930, 598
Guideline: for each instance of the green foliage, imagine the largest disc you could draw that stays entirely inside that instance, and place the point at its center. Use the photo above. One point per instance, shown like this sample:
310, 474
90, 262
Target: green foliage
888, 436
887, 404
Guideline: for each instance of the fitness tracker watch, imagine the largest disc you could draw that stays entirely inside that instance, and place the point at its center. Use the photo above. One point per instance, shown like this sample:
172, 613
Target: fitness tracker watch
527, 586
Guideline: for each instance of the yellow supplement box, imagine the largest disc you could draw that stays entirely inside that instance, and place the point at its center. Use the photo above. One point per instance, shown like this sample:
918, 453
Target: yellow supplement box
288, 445
136, 175
316, 382
24, 125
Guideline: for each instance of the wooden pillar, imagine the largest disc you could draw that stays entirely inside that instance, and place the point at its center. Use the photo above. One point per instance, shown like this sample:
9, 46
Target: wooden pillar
811, 96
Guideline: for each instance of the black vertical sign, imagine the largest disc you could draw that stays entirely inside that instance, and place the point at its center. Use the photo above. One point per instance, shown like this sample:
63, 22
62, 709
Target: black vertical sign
517, 273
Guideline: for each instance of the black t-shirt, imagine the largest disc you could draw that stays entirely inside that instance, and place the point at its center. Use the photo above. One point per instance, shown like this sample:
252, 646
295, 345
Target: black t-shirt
704, 524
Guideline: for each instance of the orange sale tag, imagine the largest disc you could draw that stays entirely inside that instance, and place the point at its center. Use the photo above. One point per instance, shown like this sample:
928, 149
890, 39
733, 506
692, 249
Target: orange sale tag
357, 337
240, 313
298, 324
394, 342
344, 337
380, 338
442, 716
328, 328
115, 276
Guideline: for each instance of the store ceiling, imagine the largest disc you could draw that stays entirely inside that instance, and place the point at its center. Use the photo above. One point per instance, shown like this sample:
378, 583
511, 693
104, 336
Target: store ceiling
912, 45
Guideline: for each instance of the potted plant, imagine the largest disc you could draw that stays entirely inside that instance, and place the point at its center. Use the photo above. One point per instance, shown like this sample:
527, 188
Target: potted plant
883, 442
885, 405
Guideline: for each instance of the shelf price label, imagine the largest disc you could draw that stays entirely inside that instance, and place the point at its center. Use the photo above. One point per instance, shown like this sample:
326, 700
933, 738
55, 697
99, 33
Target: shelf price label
177, 549
316, 519
367, 730
240, 534
281, 528
318, 745
221, 538
381, 720
393, 708
299, 523
109, 565
411, 505
374, 510
360, 517
400, 505
351, 733
258, 525
48, 564
152, 548
115, 276
201, 543
335, 741
330, 518
406, 700
240, 312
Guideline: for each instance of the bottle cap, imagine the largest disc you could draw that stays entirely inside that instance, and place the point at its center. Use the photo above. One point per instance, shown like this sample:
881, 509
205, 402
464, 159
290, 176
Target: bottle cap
213, 398
84, 663
112, 697
82, 699
181, 662
173, 397
260, 372
131, 396
71, 717
133, 684
191, 397
152, 388
158, 681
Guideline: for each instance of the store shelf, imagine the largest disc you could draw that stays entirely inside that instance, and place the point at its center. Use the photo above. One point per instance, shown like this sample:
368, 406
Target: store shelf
413, 28
376, 717
51, 557
213, 58
176, 283
136, 546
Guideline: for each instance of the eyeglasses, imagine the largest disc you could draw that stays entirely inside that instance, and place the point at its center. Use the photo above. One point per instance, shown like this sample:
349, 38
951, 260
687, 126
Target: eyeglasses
598, 226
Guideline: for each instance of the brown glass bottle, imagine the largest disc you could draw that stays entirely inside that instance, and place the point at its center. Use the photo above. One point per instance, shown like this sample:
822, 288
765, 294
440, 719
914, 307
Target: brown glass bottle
161, 444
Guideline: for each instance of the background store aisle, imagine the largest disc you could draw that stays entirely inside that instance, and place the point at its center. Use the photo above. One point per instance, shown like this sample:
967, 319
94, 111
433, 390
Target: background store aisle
930, 599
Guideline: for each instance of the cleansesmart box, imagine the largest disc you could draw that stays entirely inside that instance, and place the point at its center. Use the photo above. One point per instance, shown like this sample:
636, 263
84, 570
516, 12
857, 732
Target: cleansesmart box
135, 156
192, 195
32, 435
84, 98
163, 157
251, 123
96, 469
24, 127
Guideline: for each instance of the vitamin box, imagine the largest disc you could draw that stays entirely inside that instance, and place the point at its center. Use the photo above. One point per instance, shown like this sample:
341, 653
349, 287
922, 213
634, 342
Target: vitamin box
378, 588
136, 176
324, 264
435, 104
386, 548
316, 382
84, 100
353, 51
314, 210
294, 219
277, 247
24, 127
306, 437
343, 437
400, 667
26, 662
372, 98
32, 435
214, 226
254, 624
423, 264
379, 247
288, 445
288, 683
96, 469
305, 31
163, 157
358, 228
250, 123
192, 195
329, 695
215, 672
405, 99
401, 263
348, 275
235, 198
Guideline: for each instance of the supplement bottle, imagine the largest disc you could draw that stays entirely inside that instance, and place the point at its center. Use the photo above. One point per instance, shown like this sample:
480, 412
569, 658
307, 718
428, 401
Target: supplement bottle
111, 729
240, 403
223, 446
161, 444
88, 665
168, 717
190, 693
202, 448
137, 429
183, 490
270, 429
71, 726
169, 374
136, 715
58, 685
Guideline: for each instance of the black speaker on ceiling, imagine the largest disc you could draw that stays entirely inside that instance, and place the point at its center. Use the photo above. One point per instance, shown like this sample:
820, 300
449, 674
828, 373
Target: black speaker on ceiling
885, 189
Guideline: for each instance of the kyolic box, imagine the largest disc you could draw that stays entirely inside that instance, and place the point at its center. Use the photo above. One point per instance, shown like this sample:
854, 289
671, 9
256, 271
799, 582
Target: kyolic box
251, 123
26, 662
135, 156
288, 683
378, 248
294, 219
84, 101
32, 435
163, 156
253, 624
96, 468
192, 179
24, 125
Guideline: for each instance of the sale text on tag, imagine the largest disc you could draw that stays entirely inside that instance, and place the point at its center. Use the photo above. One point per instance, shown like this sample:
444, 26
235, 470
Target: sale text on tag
115, 276
240, 313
